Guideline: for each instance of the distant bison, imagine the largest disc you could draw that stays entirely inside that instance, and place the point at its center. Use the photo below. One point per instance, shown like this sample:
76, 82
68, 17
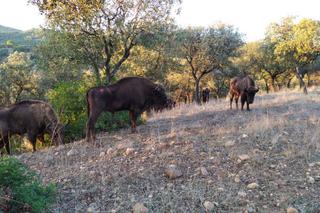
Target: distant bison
243, 88
205, 95
133, 94
31, 117
171, 103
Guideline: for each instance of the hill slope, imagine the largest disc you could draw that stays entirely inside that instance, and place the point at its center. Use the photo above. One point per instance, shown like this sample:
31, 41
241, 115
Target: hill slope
4, 29
276, 146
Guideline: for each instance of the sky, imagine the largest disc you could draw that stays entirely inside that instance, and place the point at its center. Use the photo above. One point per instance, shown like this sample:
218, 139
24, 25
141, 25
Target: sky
250, 17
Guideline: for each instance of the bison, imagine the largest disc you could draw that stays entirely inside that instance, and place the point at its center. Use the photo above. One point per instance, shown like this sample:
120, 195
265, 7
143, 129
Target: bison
205, 95
244, 88
134, 94
32, 117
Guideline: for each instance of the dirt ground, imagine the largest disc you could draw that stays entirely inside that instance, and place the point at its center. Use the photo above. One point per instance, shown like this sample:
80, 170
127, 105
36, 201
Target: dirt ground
265, 160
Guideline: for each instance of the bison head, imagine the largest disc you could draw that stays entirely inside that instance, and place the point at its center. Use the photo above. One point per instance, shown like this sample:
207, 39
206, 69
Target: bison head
160, 100
250, 93
58, 134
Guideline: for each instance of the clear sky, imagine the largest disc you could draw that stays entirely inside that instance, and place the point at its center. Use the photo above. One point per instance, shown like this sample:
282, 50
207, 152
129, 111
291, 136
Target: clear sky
250, 17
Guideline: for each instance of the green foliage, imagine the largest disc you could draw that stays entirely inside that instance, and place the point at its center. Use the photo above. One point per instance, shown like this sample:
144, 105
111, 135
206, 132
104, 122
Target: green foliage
69, 99
23, 188
15, 40
208, 50
116, 25
17, 78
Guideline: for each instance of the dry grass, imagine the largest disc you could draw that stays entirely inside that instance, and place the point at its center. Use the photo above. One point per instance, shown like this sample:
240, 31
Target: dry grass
281, 136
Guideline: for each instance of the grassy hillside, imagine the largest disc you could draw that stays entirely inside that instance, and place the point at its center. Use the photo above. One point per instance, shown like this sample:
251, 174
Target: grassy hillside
22, 41
4, 29
265, 160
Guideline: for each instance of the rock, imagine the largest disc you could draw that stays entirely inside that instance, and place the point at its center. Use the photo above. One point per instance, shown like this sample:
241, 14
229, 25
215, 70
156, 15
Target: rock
172, 172
252, 185
251, 209
139, 208
220, 189
229, 143
203, 171
129, 151
310, 180
102, 154
92, 208
292, 210
49, 160
244, 135
244, 157
237, 179
242, 194
209, 206
109, 151
72, 152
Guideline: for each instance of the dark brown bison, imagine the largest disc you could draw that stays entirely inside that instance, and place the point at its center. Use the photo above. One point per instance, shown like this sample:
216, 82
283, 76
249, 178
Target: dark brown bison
133, 94
205, 95
244, 88
31, 117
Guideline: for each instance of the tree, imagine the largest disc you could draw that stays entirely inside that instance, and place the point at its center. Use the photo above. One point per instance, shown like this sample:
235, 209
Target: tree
298, 45
208, 49
60, 57
118, 25
270, 63
17, 78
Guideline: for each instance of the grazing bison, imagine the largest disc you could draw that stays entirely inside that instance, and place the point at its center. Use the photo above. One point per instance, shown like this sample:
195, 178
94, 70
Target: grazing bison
133, 94
205, 95
31, 117
243, 88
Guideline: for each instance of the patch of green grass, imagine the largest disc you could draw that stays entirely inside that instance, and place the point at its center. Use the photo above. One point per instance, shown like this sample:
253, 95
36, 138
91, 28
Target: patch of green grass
21, 189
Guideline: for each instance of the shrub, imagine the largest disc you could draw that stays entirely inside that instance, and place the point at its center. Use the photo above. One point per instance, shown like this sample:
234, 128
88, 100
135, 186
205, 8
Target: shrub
21, 189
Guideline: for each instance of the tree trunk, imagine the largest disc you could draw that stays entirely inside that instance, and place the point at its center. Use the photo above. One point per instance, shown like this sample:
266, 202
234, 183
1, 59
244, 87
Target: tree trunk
266, 84
273, 83
289, 83
308, 80
301, 81
197, 95
108, 75
98, 77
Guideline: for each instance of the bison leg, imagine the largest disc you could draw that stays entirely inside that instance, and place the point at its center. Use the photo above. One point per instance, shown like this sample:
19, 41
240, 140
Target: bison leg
231, 99
133, 121
242, 103
248, 106
90, 133
133, 118
33, 139
5, 142
237, 99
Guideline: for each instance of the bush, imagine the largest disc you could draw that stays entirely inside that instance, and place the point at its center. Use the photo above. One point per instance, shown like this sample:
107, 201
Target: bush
21, 189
